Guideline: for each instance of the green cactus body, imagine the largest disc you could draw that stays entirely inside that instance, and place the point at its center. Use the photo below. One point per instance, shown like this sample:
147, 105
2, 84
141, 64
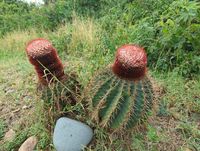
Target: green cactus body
116, 102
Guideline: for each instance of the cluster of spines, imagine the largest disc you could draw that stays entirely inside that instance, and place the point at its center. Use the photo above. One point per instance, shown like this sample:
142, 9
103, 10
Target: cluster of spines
120, 103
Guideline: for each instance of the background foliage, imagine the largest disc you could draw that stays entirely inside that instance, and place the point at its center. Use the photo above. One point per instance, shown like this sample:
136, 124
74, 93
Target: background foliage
169, 30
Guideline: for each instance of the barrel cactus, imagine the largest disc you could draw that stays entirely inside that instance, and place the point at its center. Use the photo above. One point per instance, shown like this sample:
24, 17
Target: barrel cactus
45, 59
57, 88
121, 96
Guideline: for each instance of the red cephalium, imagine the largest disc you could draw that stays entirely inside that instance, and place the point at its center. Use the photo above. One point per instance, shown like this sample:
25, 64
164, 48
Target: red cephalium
130, 62
45, 59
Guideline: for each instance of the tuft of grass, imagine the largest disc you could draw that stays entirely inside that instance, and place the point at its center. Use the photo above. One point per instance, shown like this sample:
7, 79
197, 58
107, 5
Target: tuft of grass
17, 40
16, 142
189, 129
84, 33
152, 134
2, 128
137, 142
181, 96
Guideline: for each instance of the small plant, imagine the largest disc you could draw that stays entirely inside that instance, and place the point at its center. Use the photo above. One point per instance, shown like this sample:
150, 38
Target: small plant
44, 57
121, 95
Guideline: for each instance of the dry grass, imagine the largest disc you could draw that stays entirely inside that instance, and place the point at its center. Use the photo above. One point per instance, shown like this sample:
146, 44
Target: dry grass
84, 32
17, 40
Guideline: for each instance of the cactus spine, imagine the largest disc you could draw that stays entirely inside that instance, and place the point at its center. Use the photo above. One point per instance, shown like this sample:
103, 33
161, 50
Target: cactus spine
121, 96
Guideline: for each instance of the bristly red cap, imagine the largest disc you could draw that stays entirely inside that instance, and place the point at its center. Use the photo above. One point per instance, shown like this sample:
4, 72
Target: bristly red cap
130, 62
38, 47
42, 54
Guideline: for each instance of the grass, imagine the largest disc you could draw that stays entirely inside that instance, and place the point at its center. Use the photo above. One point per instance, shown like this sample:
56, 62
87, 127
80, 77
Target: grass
174, 125
2, 128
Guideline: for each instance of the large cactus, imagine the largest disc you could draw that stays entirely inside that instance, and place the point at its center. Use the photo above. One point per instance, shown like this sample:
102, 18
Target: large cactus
121, 95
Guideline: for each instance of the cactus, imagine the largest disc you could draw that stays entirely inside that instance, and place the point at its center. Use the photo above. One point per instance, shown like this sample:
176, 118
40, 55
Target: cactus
45, 59
56, 88
121, 95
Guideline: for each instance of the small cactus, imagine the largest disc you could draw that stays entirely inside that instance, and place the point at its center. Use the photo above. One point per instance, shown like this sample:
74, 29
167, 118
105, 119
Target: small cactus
45, 59
121, 95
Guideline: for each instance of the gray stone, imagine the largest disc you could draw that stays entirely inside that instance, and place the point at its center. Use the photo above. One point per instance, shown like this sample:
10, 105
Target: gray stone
71, 135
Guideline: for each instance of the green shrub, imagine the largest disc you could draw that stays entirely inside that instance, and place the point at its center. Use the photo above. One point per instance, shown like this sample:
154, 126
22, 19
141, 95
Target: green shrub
168, 30
178, 38
14, 15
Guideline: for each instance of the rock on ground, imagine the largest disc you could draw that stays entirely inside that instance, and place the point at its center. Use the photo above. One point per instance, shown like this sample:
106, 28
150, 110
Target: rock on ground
29, 144
71, 135
9, 135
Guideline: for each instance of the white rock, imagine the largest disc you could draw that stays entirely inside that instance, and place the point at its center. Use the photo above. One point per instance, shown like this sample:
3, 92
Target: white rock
29, 144
71, 135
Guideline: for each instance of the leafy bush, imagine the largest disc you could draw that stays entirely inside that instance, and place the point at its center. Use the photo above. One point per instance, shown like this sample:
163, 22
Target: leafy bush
14, 15
168, 30
178, 38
